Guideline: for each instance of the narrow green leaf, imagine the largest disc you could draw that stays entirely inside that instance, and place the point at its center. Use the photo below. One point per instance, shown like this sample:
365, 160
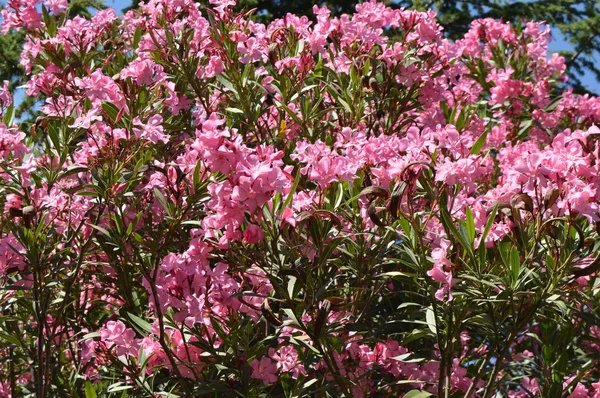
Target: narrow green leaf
290, 196
163, 201
137, 36
118, 387
90, 391
290, 112
431, 322
291, 285
90, 336
292, 316
226, 83
72, 170
417, 394
453, 231
392, 274
10, 339
142, 324
102, 230
524, 127
9, 115
488, 227
515, 264
478, 145
470, 225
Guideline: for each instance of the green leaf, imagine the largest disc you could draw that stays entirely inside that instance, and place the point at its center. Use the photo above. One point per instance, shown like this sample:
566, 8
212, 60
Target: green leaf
196, 175
392, 274
111, 110
163, 201
515, 265
9, 115
192, 223
554, 104
72, 170
406, 358
470, 225
91, 335
478, 145
345, 104
10, 339
301, 342
291, 285
453, 231
292, 316
524, 127
408, 304
142, 324
291, 113
226, 83
118, 387
137, 36
430, 317
102, 230
417, 394
488, 227
290, 196
90, 391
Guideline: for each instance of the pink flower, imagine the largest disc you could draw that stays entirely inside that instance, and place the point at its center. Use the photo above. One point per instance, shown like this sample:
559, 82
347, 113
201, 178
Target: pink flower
253, 234
151, 131
11, 254
5, 97
439, 274
86, 119
118, 335
31, 17
11, 142
98, 87
143, 72
287, 360
251, 50
88, 350
222, 5
196, 312
56, 6
264, 369
215, 67
13, 201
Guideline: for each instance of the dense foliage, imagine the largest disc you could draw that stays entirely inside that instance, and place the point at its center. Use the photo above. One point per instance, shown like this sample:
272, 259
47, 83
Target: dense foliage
210, 206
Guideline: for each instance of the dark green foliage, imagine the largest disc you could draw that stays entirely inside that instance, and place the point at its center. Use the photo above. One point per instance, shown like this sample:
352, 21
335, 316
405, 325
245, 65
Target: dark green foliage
10, 50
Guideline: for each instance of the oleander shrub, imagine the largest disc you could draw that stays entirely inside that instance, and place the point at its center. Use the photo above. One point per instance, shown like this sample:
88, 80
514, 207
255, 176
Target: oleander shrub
209, 206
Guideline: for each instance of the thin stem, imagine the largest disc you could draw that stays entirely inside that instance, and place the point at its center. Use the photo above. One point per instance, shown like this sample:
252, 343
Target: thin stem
163, 343
40, 393
332, 366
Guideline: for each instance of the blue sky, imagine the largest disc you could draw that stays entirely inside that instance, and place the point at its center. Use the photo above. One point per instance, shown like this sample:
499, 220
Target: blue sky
118, 4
